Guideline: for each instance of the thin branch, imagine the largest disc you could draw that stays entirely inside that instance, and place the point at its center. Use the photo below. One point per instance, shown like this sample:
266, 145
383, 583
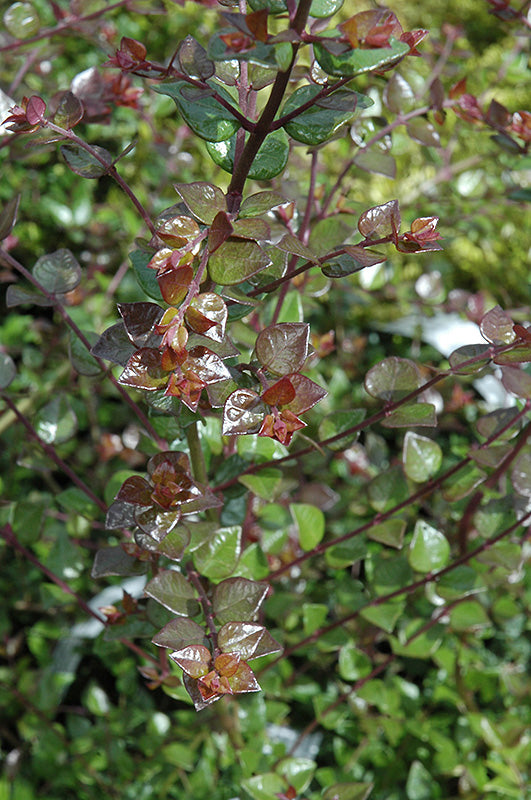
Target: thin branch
12, 262
50, 452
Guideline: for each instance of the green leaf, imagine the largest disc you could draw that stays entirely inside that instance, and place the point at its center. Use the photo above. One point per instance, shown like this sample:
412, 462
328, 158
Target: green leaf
283, 348
201, 111
84, 163
179, 633
298, 772
423, 132
269, 162
21, 20
413, 414
268, 785
310, 522
348, 791
115, 561
83, 362
388, 489
392, 379
376, 161
247, 639
313, 616
218, 556
73, 499
56, 422
354, 260
422, 457
339, 422
384, 616
203, 199
238, 599
429, 549
469, 616
353, 663
354, 62
58, 272
462, 483
146, 277
472, 353
172, 590
7, 370
236, 260
320, 121
264, 484
8, 217
420, 785
391, 532
346, 553
261, 203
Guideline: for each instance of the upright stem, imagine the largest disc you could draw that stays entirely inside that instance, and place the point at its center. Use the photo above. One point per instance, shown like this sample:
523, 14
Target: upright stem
264, 124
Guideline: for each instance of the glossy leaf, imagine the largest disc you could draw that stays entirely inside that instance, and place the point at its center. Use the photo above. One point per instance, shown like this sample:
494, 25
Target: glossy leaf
174, 284
157, 522
429, 549
218, 556
392, 379
497, 327
462, 483
379, 222
355, 62
398, 95
195, 660
207, 314
236, 260
115, 561
8, 216
172, 590
521, 473
353, 260
320, 121
203, 199
69, 111
422, 457
387, 489
247, 639
310, 522
143, 370
7, 370
179, 633
194, 60
421, 415
175, 541
139, 321
469, 353
423, 132
201, 111
517, 381
384, 616
81, 359
21, 20
114, 345
56, 422
58, 272
238, 599
87, 164
283, 348
379, 162
496, 421
146, 277
391, 532
261, 203
348, 791
244, 412
269, 162
264, 484
291, 244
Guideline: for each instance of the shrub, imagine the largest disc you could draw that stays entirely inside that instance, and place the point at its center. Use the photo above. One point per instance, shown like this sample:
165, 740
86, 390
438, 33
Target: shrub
311, 515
